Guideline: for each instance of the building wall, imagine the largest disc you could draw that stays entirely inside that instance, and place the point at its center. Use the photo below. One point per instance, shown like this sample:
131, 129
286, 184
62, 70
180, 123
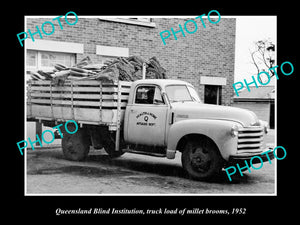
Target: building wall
207, 52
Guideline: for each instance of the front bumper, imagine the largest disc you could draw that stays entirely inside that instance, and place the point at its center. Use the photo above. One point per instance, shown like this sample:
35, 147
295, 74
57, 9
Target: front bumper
265, 155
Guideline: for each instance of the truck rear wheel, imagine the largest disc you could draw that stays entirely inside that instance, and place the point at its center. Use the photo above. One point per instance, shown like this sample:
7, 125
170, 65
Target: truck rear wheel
201, 158
76, 146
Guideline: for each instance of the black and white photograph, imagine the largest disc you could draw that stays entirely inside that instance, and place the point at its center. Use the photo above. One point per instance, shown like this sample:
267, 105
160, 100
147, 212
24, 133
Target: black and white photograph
176, 106
135, 105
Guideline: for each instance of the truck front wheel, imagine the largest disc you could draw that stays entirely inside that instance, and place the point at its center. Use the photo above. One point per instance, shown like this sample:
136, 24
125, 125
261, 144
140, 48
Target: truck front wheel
76, 146
201, 158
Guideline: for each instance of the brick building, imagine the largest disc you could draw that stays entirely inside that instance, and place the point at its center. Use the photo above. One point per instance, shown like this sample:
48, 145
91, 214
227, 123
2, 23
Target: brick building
204, 58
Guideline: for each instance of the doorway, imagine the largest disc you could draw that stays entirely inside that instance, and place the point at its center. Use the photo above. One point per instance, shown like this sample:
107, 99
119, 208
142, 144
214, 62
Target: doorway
212, 94
272, 115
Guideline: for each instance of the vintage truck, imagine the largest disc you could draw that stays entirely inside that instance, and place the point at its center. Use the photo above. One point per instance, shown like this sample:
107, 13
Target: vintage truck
157, 117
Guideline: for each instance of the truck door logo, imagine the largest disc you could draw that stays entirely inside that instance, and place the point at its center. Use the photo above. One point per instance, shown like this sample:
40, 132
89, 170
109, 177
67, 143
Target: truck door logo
146, 118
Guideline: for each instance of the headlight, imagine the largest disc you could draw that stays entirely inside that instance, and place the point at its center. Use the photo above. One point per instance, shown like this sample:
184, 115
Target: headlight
234, 130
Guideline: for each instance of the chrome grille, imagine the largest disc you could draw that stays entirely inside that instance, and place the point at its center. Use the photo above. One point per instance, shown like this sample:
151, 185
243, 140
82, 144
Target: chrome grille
250, 139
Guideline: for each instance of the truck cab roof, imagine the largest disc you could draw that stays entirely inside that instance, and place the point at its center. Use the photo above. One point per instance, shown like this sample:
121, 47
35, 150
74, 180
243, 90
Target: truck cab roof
160, 82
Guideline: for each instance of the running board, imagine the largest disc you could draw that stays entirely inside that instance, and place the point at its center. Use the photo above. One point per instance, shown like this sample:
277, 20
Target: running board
144, 153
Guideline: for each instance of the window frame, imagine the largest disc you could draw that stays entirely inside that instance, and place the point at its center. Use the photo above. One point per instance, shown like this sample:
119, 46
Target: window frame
72, 59
149, 104
35, 67
179, 85
38, 60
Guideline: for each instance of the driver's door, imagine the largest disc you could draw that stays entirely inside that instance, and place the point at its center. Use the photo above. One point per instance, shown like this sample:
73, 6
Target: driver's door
147, 117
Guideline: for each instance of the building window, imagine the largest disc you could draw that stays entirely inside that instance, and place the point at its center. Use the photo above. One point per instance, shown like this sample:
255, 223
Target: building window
31, 59
44, 60
212, 94
49, 59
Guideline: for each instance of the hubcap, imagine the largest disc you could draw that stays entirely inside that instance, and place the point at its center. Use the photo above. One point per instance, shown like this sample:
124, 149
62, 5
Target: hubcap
200, 159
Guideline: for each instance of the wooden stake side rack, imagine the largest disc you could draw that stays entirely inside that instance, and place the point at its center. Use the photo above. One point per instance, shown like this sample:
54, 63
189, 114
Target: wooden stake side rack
85, 101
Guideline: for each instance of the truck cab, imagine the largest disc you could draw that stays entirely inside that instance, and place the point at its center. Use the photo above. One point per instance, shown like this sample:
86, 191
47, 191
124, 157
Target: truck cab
168, 115
149, 113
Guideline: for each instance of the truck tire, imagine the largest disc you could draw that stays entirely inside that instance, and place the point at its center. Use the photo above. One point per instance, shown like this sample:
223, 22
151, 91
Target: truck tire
201, 158
76, 146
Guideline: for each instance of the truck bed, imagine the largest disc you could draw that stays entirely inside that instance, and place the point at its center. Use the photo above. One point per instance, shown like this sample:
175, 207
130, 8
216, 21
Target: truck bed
85, 101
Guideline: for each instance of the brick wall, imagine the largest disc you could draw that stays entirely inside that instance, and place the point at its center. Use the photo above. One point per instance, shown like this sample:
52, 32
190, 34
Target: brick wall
207, 52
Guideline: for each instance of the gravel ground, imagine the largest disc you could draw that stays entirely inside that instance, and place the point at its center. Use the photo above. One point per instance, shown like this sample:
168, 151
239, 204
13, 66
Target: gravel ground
49, 173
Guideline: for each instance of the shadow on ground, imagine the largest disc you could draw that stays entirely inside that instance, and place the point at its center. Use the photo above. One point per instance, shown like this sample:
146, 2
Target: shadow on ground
122, 167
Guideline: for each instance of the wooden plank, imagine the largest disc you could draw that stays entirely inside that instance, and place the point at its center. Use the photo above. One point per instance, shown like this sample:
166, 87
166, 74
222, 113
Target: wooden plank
29, 98
97, 83
78, 89
78, 103
40, 82
67, 89
100, 102
108, 116
80, 114
51, 103
75, 82
40, 111
125, 83
81, 82
72, 102
91, 82
117, 144
78, 96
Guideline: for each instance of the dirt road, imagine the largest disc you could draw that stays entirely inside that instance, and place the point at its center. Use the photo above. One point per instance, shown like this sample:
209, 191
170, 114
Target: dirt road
49, 173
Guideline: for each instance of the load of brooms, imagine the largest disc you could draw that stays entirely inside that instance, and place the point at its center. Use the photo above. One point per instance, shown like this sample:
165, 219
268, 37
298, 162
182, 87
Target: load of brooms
121, 68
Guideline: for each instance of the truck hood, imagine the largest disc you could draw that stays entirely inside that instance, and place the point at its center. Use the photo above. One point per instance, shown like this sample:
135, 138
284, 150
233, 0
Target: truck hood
194, 110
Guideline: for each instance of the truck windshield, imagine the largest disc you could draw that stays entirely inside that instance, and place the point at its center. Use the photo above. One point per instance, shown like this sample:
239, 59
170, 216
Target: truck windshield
180, 93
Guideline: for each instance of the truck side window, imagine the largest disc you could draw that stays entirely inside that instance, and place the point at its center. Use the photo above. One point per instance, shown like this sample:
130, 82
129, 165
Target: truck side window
148, 95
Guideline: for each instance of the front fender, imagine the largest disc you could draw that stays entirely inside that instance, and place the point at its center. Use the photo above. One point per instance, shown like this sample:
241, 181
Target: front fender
217, 130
